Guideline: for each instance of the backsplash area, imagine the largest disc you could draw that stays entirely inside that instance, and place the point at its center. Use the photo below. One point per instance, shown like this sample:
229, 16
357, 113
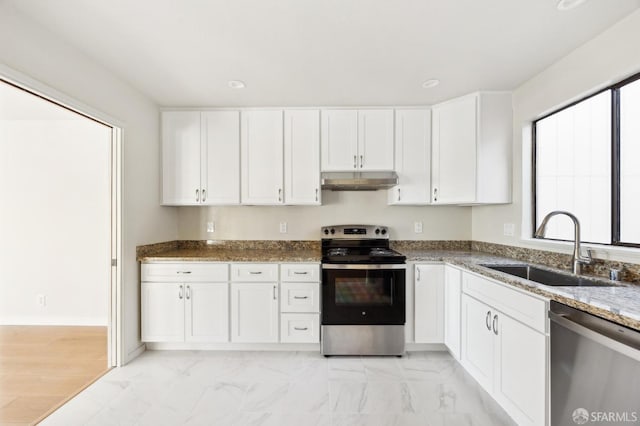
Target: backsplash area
599, 267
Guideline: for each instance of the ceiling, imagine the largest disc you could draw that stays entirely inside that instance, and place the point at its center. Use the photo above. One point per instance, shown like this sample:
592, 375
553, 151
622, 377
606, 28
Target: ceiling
322, 52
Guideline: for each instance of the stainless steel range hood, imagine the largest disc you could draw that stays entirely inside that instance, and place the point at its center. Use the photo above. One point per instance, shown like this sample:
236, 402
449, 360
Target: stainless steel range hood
358, 181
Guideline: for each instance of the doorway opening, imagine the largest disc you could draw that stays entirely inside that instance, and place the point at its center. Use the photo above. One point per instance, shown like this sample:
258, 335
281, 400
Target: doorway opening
60, 222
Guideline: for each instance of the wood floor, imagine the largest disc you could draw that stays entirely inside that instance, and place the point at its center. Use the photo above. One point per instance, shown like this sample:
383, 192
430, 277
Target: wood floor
43, 366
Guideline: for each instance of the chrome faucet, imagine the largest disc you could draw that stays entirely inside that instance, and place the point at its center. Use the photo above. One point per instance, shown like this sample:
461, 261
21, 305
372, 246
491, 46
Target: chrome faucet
578, 259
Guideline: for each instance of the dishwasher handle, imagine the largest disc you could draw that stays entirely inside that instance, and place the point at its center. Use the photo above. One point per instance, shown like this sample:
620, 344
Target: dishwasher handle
608, 340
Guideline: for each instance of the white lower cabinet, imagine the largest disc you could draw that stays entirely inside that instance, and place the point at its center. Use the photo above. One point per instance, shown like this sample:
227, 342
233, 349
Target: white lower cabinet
254, 312
452, 293
507, 357
185, 312
299, 328
429, 303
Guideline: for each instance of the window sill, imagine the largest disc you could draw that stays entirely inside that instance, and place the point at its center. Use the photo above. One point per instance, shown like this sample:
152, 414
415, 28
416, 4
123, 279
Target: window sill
598, 251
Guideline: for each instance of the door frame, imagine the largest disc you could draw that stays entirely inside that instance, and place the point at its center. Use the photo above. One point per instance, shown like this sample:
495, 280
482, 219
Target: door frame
115, 347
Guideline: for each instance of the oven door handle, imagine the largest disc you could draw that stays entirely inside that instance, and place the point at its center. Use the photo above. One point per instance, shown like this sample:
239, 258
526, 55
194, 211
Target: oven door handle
363, 266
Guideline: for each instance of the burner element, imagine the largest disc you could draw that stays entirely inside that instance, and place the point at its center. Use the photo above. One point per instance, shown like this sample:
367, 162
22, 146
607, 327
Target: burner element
338, 251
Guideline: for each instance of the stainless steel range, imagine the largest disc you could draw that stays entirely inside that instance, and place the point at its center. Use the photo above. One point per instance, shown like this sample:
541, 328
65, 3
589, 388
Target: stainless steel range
363, 292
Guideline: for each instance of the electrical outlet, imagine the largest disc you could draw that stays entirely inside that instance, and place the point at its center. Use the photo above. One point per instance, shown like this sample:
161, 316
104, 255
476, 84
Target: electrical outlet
42, 300
417, 227
211, 226
509, 229
283, 227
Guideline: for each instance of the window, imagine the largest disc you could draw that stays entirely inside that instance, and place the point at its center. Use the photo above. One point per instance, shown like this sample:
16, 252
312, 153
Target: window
587, 159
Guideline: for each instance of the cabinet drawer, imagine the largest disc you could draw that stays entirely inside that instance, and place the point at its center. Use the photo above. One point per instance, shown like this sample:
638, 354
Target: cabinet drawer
299, 297
185, 272
300, 272
254, 272
529, 310
299, 328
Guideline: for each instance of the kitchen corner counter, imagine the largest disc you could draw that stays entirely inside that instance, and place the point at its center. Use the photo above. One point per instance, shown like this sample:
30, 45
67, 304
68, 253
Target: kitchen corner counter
231, 251
620, 303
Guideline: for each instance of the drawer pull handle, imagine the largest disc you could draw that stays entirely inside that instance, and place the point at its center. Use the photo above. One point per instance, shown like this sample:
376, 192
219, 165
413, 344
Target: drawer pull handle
274, 293
188, 292
183, 272
300, 273
301, 328
300, 297
180, 294
255, 272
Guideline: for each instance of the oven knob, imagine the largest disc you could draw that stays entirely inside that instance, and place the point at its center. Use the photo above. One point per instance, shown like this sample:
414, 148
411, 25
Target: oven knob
364, 313
326, 232
384, 231
377, 231
333, 231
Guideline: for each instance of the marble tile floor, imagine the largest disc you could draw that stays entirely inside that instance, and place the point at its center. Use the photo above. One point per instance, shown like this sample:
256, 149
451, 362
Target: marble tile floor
282, 389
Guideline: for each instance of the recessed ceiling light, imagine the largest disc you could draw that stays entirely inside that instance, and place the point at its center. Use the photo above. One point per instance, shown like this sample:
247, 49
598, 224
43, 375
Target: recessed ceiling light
430, 83
236, 84
569, 4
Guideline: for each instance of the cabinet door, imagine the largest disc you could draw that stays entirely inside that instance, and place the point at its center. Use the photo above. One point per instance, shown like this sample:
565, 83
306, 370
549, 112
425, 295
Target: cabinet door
162, 312
521, 371
220, 157
181, 158
429, 303
262, 162
339, 140
452, 292
454, 151
254, 312
207, 312
375, 139
478, 341
302, 157
412, 157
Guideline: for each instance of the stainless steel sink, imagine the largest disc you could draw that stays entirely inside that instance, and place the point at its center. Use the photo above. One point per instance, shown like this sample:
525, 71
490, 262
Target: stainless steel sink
547, 277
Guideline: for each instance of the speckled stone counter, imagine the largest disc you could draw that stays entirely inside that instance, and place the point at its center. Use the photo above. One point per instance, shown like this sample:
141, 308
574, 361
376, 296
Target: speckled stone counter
231, 251
619, 303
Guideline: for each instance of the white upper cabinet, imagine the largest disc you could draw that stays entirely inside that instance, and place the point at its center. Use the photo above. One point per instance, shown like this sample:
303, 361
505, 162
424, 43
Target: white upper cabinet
375, 139
181, 164
471, 148
262, 157
357, 140
302, 157
200, 158
412, 157
339, 140
220, 157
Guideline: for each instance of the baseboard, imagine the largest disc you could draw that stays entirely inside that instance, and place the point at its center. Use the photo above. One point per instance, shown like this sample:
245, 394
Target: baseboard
415, 347
135, 353
61, 321
234, 346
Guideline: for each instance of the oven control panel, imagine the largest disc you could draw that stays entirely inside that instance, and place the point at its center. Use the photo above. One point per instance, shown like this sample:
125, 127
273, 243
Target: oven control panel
355, 231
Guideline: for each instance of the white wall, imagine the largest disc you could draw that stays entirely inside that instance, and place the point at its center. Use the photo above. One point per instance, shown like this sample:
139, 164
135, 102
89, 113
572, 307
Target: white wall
304, 222
54, 220
28, 49
607, 58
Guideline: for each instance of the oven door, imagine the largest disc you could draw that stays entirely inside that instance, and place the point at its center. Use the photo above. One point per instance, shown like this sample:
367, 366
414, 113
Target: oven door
361, 294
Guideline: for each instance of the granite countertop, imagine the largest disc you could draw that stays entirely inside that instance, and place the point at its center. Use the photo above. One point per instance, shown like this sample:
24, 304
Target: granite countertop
619, 303
233, 255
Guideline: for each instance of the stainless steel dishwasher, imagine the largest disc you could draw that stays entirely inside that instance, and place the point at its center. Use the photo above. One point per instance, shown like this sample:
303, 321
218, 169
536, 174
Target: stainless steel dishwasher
595, 370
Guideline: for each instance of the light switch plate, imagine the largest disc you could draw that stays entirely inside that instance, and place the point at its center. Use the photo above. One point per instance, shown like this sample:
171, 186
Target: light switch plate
211, 226
417, 227
283, 227
509, 229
